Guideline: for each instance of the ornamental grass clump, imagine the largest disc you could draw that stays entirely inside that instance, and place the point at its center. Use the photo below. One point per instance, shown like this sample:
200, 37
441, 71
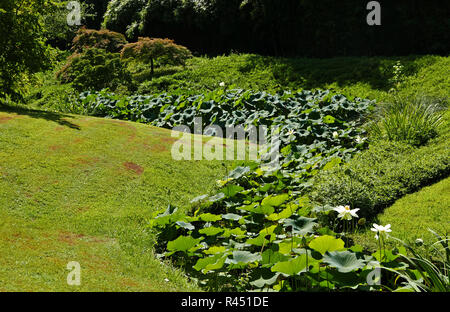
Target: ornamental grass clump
413, 121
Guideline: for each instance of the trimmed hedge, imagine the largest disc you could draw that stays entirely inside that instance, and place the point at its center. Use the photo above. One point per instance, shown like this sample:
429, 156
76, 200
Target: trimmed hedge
377, 177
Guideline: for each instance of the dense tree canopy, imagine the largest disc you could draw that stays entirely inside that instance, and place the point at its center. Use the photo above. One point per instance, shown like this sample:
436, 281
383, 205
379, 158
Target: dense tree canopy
23, 48
303, 28
290, 27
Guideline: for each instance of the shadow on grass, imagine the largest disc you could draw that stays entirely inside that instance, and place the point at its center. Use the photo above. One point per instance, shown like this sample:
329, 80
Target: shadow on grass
50, 116
311, 73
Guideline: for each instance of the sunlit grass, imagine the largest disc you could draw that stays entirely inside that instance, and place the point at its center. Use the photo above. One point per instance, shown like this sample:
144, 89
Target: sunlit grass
411, 216
81, 189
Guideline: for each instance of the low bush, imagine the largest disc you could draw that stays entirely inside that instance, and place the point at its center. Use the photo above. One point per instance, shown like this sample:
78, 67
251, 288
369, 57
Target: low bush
95, 69
54, 97
377, 177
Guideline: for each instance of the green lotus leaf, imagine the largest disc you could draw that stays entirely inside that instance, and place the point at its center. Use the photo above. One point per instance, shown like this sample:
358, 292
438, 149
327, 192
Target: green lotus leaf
265, 280
344, 261
357, 248
265, 236
284, 214
168, 216
235, 232
326, 243
231, 216
210, 263
211, 231
264, 209
216, 197
238, 172
251, 207
275, 201
183, 243
300, 225
294, 266
185, 225
270, 256
243, 257
286, 246
215, 250
209, 217
230, 190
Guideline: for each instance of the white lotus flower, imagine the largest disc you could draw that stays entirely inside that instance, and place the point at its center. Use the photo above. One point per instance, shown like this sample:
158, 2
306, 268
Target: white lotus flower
222, 84
359, 140
335, 135
290, 132
381, 230
345, 213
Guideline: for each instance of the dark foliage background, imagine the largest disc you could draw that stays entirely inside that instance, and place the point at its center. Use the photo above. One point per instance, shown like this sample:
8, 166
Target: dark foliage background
309, 28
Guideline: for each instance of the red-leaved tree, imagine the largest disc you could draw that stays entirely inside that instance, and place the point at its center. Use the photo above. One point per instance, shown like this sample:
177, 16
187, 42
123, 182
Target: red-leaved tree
149, 49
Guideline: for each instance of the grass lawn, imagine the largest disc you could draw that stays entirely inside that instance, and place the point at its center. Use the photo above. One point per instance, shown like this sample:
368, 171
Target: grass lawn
411, 216
80, 189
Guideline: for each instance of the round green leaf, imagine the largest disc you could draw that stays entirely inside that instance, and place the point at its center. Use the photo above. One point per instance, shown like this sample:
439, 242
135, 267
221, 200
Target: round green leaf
344, 261
211, 263
326, 243
243, 257
211, 231
183, 243
185, 225
275, 201
209, 217
294, 266
300, 225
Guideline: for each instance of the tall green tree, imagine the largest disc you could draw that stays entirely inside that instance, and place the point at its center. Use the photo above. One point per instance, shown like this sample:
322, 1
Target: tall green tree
23, 49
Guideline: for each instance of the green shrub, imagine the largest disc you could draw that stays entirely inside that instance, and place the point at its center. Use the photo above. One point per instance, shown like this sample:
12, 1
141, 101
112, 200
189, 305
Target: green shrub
157, 85
53, 96
411, 121
377, 177
101, 39
95, 69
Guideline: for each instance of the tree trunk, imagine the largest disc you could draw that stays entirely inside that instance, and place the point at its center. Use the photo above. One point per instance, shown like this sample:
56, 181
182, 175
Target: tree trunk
152, 68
